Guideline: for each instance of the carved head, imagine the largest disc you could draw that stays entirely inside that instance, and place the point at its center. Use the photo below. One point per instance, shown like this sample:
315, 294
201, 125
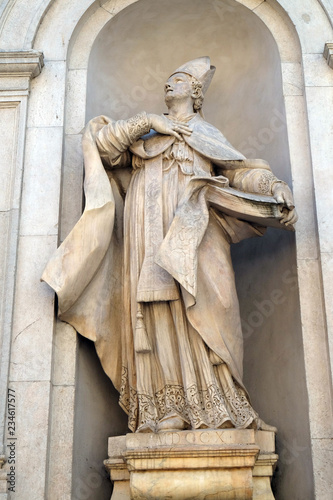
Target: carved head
183, 86
192, 79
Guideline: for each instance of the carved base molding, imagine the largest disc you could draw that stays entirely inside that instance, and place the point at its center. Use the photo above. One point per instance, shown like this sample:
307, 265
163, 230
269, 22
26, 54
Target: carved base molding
182, 465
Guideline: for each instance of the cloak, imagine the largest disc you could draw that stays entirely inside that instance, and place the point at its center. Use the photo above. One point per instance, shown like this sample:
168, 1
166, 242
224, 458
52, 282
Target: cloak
86, 270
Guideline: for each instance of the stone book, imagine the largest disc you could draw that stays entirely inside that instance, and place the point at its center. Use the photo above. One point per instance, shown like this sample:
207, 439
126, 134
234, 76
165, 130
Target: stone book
257, 208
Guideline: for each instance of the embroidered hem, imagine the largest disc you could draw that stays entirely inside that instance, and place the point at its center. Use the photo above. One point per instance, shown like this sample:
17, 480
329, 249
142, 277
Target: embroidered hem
197, 407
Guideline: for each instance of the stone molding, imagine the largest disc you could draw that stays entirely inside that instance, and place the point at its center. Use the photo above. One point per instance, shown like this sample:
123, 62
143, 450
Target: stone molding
328, 53
26, 63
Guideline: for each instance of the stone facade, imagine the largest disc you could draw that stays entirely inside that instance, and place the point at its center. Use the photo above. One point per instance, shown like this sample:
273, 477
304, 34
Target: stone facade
62, 399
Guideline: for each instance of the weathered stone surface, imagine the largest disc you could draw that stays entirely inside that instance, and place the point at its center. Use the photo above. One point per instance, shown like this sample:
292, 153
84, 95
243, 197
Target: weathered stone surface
46, 104
316, 72
302, 173
65, 343
309, 21
225, 464
328, 54
292, 78
32, 424
32, 335
71, 194
61, 438
41, 191
76, 91
82, 46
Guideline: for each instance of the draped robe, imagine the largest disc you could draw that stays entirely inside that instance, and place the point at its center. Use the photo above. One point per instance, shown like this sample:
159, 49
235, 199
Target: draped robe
146, 273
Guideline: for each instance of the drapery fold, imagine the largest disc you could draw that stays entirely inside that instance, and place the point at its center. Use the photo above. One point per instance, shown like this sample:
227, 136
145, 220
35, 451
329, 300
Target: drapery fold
191, 260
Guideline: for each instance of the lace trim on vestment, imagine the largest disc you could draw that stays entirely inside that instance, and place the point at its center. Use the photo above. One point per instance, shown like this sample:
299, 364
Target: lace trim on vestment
197, 407
265, 183
138, 125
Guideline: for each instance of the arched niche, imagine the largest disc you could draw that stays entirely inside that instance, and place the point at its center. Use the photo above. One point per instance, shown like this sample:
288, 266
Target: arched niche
270, 360
128, 65
65, 32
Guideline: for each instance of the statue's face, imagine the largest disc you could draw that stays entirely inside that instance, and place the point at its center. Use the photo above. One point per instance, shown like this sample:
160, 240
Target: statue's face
178, 86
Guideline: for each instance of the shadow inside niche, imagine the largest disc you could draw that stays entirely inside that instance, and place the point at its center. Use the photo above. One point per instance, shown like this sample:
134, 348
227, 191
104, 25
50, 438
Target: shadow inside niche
97, 417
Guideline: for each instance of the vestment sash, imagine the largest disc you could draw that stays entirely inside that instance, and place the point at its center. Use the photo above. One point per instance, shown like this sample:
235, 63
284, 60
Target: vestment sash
155, 283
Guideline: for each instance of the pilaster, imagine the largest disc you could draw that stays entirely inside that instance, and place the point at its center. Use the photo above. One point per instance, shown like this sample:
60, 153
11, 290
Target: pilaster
16, 71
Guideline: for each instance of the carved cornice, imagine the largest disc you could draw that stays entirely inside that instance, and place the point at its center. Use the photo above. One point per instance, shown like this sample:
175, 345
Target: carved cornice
328, 53
213, 452
27, 63
192, 457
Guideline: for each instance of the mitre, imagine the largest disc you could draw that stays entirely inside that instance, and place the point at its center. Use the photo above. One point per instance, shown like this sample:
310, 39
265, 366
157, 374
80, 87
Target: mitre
201, 69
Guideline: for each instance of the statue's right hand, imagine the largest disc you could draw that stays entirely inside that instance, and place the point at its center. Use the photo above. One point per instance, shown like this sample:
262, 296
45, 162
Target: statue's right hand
168, 126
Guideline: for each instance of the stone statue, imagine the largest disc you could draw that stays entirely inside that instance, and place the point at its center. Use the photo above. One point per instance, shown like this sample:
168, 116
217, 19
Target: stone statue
146, 272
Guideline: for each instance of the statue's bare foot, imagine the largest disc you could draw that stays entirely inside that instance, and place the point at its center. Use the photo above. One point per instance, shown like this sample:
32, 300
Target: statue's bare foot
265, 427
171, 423
146, 428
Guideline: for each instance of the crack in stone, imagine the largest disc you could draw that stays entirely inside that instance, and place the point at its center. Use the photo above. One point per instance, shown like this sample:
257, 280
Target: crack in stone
24, 329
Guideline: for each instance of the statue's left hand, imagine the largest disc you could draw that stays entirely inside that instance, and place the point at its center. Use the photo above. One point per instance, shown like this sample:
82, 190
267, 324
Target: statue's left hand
282, 194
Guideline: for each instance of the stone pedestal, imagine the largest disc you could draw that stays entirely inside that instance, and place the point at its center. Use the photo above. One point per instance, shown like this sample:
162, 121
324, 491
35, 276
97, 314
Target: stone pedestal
221, 464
